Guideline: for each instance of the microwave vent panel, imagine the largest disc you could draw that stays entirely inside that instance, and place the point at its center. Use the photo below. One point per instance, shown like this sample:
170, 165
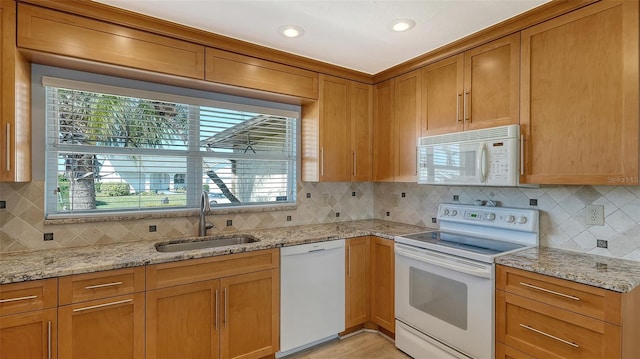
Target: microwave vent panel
510, 131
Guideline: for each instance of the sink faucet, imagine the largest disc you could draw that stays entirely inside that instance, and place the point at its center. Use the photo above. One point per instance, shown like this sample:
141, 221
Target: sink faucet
203, 225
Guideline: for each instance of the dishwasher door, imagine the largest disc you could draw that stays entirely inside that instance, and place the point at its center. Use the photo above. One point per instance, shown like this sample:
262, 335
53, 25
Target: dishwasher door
312, 294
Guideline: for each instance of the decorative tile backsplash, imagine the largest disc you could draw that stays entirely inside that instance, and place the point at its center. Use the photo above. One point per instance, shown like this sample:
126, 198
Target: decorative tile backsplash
562, 211
562, 219
22, 222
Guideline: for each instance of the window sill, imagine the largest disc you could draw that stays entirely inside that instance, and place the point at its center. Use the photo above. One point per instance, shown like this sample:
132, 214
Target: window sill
176, 213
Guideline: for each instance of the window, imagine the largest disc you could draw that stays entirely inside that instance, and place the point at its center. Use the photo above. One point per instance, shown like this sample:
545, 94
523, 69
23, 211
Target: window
112, 149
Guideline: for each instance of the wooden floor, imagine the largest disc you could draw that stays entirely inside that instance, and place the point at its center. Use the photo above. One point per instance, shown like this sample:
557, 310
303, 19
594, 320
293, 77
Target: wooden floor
363, 345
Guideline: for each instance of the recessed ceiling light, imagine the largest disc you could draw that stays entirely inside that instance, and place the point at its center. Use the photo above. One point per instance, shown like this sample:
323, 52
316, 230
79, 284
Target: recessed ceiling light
291, 31
401, 25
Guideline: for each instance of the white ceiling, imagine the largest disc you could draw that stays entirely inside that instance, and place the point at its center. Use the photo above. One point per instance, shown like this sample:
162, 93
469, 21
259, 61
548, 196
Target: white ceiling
351, 34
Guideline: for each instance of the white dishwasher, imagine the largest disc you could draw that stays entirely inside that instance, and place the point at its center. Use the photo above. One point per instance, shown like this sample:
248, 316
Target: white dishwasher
311, 294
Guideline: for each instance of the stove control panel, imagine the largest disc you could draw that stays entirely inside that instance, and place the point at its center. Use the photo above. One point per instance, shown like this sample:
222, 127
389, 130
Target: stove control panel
498, 217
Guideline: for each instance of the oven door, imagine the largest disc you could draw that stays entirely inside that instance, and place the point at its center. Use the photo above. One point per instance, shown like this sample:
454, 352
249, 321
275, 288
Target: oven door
447, 298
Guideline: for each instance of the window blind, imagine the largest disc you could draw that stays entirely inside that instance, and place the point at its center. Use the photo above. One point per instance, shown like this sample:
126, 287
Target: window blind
114, 149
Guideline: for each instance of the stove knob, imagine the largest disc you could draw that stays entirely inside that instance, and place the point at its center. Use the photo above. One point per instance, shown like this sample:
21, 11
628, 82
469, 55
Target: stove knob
445, 212
522, 220
509, 219
454, 213
491, 216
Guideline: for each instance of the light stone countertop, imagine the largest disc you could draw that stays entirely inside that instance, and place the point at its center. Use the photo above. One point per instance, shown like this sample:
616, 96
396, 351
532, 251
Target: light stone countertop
24, 266
619, 275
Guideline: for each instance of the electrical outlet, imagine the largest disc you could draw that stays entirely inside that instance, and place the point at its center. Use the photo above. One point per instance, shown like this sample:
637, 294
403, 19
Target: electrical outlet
3, 204
229, 222
434, 220
153, 228
456, 198
601, 243
395, 200
595, 214
533, 202
48, 236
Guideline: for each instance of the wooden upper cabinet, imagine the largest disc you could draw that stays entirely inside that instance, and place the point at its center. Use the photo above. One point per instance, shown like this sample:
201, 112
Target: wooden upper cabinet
407, 107
79, 37
15, 107
443, 96
579, 97
244, 71
336, 132
473, 90
491, 80
361, 97
383, 132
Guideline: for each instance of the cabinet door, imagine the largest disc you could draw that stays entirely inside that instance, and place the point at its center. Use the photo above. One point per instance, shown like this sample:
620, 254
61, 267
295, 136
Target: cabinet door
251, 311
357, 281
335, 139
182, 321
360, 118
106, 328
442, 96
29, 335
383, 132
382, 283
407, 106
580, 97
491, 79
79, 37
15, 108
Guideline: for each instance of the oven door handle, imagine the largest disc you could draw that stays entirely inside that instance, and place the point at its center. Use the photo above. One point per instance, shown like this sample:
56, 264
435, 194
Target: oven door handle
445, 261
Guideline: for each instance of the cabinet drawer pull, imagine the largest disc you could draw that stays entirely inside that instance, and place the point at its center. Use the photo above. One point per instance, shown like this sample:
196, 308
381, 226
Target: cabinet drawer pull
549, 335
102, 305
458, 95
18, 299
49, 340
321, 161
225, 306
467, 115
549, 291
355, 164
8, 148
103, 285
217, 311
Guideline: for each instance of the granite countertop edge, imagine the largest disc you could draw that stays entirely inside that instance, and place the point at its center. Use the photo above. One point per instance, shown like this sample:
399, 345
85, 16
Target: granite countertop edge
615, 274
43, 264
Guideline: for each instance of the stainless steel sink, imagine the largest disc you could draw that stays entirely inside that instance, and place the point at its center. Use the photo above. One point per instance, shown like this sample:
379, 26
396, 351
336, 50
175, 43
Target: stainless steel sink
207, 242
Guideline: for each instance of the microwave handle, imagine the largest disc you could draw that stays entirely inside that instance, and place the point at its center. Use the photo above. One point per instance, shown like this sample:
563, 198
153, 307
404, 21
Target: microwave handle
482, 162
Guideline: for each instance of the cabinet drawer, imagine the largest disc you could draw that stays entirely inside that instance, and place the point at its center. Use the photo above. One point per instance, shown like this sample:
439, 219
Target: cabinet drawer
546, 331
28, 296
90, 286
238, 70
579, 298
195, 270
505, 352
75, 36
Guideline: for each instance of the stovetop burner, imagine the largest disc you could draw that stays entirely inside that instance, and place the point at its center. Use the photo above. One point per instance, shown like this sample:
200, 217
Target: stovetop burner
464, 242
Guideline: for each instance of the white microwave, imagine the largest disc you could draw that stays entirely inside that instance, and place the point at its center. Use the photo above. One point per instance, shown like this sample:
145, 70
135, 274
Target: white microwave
487, 157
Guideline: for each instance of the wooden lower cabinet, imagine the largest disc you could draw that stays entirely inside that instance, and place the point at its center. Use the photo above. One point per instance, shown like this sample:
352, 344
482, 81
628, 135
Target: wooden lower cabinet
232, 317
357, 281
30, 335
251, 311
105, 328
383, 283
538, 316
183, 321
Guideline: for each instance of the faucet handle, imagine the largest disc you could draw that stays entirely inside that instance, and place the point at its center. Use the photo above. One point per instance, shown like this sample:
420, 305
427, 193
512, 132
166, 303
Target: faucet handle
204, 202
